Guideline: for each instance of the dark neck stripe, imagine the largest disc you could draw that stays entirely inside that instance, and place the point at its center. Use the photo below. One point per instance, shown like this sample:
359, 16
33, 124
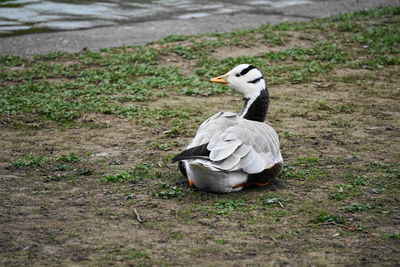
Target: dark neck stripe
246, 70
258, 108
256, 80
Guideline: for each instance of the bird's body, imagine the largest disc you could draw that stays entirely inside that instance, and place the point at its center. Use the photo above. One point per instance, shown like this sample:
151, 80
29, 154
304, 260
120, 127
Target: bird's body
230, 150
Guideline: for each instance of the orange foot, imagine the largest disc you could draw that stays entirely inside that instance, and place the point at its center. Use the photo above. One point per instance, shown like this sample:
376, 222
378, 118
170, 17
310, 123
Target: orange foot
239, 186
191, 184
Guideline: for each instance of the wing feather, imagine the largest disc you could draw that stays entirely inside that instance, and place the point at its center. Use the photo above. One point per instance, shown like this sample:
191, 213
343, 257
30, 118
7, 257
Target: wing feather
239, 144
223, 150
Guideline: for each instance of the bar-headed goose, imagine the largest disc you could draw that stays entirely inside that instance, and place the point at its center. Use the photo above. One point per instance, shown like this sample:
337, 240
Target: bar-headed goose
230, 150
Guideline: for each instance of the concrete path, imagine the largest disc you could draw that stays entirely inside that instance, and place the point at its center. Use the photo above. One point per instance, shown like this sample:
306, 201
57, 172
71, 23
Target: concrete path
143, 32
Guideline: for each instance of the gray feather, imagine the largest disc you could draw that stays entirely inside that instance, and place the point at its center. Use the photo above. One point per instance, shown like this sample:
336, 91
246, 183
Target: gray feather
238, 144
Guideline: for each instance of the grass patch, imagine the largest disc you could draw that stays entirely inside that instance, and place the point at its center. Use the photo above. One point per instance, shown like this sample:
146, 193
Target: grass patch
70, 158
339, 195
356, 207
167, 191
84, 171
137, 173
136, 255
303, 171
29, 161
225, 207
55, 178
324, 217
104, 81
394, 236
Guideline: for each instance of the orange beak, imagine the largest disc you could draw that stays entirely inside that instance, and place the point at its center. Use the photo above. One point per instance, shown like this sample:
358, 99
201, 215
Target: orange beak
220, 79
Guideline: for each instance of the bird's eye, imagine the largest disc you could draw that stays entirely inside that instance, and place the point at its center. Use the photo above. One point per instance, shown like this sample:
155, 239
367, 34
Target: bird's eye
237, 75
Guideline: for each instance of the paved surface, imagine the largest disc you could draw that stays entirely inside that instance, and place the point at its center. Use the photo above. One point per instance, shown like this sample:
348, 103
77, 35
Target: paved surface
143, 32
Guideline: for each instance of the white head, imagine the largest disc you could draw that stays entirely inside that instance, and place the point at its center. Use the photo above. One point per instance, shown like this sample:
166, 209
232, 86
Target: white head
244, 78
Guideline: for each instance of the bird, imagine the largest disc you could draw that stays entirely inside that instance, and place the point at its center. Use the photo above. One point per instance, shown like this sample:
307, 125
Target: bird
232, 151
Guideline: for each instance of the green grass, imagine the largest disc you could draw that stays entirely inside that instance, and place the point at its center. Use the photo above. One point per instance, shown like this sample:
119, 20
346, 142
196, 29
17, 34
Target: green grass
138, 172
103, 81
225, 207
301, 171
30, 161
136, 255
167, 191
118, 177
55, 178
70, 158
327, 218
394, 236
339, 195
356, 207
83, 171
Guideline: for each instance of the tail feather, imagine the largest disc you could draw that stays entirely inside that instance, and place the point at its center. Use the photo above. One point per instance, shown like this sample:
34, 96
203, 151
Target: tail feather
197, 152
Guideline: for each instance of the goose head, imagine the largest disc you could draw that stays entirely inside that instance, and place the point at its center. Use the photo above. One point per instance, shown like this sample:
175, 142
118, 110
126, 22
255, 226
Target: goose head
244, 78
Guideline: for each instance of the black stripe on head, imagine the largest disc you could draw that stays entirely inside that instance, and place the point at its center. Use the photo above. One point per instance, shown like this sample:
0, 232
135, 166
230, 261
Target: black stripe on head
256, 80
246, 70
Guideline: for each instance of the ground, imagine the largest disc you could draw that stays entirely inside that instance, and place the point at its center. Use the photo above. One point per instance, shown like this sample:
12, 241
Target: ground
87, 141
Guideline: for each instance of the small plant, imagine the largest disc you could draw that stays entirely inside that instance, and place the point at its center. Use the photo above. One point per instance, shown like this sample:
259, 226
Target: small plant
324, 217
141, 170
222, 241
174, 38
323, 106
360, 181
70, 158
55, 178
224, 207
83, 171
288, 172
138, 172
346, 108
133, 254
29, 161
339, 195
184, 52
176, 236
394, 236
167, 191
376, 165
393, 174
62, 167
274, 38
355, 207
341, 123
307, 162
163, 146
190, 91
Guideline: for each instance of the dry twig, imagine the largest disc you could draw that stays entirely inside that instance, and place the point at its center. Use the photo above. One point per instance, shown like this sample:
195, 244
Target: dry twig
138, 218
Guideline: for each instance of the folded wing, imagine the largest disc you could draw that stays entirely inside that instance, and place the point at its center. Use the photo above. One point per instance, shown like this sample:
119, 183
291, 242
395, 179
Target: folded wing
234, 143
248, 145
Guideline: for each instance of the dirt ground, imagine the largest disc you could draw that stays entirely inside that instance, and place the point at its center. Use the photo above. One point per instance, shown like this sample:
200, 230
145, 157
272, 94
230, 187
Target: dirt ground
336, 203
